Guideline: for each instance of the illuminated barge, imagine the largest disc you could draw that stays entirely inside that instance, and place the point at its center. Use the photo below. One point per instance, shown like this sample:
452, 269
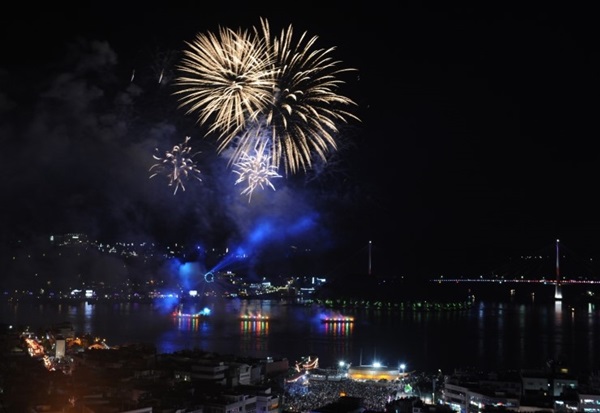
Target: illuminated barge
254, 317
337, 320
178, 313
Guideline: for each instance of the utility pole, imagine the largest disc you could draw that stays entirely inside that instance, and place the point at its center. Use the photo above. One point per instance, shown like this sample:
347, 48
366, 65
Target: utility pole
370, 242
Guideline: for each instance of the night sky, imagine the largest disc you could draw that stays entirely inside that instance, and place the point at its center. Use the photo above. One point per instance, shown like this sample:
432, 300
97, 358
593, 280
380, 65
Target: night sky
477, 138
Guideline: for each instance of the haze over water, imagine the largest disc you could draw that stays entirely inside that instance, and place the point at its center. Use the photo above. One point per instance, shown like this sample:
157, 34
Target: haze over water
489, 336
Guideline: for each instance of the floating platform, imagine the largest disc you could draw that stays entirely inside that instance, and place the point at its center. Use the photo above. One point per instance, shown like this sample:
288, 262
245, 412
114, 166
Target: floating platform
337, 320
179, 313
254, 317
190, 315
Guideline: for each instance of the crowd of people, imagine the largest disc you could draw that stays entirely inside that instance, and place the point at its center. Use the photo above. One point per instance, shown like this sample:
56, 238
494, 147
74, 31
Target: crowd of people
307, 395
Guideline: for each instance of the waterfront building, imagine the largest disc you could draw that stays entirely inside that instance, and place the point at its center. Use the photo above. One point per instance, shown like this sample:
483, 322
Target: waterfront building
549, 387
266, 400
214, 372
60, 347
373, 372
64, 330
506, 382
535, 383
273, 367
465, 399
563, 384
244, 399
226, 403
588, 401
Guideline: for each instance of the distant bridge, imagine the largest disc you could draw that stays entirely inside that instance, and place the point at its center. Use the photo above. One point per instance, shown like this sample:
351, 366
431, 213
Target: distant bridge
501, 281
526, 274
558, 286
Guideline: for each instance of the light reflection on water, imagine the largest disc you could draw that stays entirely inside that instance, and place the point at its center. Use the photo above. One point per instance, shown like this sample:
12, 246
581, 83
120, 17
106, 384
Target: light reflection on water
489, 336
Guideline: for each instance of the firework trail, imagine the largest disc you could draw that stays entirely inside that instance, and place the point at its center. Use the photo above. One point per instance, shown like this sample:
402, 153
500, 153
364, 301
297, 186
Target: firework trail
256, 170
162, 65
177, 165
239, 82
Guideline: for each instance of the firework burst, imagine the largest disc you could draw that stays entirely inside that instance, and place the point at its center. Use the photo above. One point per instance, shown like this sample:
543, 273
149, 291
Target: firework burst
255, 169
177, 165
225, 80
305, 105
250, 81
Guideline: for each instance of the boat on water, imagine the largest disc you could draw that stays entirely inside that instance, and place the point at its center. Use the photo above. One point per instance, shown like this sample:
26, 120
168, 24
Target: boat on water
337, 319
179, 313
254, 317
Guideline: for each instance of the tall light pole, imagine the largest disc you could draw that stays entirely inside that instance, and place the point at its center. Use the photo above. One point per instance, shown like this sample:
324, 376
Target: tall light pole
370, 242
557, 289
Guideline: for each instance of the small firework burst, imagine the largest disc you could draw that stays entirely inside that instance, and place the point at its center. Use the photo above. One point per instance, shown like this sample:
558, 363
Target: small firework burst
177, 165
255, 170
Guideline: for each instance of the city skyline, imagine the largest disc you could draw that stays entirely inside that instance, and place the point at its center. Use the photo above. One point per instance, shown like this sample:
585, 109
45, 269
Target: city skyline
64, 262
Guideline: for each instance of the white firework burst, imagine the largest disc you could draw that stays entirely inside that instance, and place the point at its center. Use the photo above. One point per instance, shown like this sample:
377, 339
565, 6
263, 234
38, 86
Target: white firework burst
177, 165
255, 169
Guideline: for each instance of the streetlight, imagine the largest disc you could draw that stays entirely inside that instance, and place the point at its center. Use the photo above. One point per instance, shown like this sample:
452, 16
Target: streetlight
343, 368
402, 368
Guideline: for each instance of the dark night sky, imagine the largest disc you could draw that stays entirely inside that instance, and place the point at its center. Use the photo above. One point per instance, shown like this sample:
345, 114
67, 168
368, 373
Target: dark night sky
477, 140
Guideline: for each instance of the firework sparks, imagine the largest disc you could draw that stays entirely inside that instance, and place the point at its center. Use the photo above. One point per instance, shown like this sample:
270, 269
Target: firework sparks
225, 78
177, 165
256, 170
245, 82
306, 106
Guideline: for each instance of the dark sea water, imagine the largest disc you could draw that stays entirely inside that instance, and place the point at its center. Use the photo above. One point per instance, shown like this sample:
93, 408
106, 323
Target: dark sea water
489, 336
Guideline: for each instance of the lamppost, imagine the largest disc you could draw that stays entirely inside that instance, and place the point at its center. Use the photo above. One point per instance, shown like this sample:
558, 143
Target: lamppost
343, 368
